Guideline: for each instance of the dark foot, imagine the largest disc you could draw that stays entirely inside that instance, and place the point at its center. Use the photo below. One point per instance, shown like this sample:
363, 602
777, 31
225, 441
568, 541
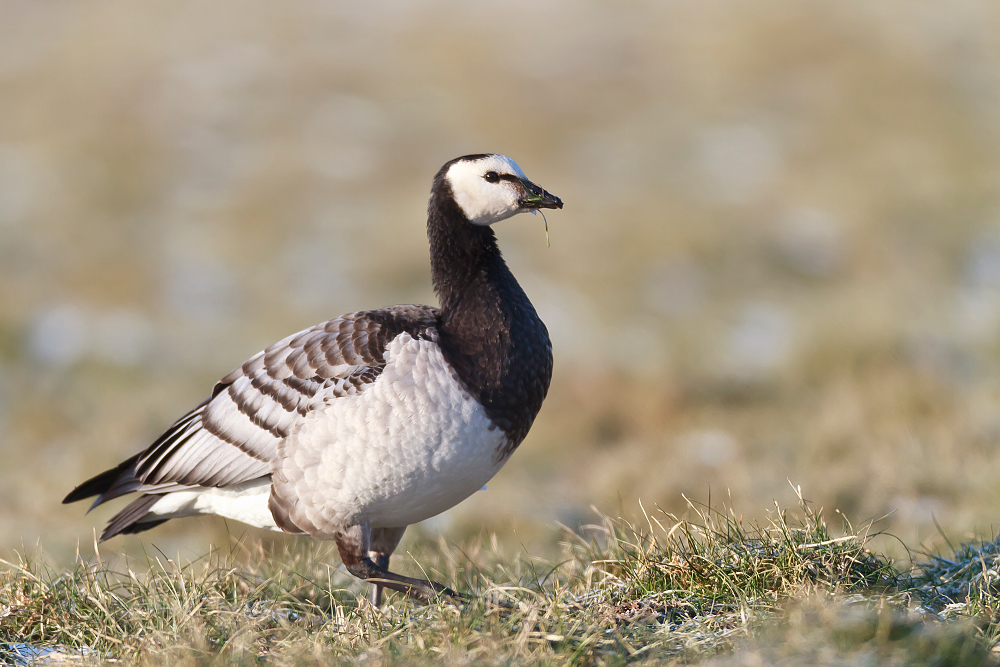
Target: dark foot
419, 589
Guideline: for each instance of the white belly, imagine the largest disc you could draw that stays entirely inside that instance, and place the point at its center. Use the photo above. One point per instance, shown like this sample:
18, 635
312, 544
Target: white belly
408, 447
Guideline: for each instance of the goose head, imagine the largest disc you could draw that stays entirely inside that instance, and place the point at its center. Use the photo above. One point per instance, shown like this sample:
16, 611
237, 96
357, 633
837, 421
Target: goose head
491, 188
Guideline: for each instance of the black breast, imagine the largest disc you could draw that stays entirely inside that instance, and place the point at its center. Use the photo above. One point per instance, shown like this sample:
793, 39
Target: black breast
489, 332
501, 352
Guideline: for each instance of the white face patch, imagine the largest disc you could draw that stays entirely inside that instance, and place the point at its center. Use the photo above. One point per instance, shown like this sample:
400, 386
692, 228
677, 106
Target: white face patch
486, 201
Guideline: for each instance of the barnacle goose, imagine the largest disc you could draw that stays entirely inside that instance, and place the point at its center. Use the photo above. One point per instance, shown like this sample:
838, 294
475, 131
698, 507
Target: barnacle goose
360, 426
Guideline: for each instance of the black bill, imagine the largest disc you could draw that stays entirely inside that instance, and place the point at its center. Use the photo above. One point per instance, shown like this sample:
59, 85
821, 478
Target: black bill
535, 198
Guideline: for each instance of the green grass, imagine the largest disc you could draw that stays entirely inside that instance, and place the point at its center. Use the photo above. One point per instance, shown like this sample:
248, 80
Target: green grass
707, 587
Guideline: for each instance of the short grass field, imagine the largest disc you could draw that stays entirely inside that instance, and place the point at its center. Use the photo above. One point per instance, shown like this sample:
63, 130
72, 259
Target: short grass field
711, 588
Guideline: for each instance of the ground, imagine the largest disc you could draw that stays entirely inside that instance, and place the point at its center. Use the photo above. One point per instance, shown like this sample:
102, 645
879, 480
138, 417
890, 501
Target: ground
710, 589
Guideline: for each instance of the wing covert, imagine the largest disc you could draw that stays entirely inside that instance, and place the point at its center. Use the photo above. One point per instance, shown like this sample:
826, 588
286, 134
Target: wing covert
233, 435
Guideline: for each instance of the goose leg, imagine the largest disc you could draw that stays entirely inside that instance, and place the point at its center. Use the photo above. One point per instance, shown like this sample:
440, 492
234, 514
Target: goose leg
383, 542
375, 594
353, 545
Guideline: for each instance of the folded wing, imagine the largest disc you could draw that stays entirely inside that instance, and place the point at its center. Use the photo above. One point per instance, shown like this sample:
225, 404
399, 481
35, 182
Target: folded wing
232, 436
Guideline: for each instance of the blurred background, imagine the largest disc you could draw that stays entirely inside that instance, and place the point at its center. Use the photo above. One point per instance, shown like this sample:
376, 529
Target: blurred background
779, 257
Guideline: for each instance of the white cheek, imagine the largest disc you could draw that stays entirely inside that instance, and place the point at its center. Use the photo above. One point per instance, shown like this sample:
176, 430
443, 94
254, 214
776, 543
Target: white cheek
484, 203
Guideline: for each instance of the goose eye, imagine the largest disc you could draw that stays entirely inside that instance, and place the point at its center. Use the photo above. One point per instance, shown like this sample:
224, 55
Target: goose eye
491, 177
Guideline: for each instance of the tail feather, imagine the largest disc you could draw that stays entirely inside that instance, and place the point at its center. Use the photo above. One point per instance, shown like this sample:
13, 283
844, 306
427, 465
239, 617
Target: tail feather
140, 527
129, 520
99, 485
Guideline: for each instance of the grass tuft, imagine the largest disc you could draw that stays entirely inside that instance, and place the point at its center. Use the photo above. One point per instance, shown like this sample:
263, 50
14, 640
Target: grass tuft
714, 562
964, 586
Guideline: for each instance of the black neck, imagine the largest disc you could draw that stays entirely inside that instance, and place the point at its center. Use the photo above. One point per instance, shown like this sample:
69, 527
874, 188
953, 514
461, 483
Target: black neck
489, 331
463, 255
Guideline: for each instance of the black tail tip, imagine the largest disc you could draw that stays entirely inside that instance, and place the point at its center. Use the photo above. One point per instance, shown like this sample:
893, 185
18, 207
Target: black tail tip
75, 495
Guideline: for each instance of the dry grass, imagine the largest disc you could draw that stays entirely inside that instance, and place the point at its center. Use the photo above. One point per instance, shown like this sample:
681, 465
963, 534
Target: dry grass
670, 590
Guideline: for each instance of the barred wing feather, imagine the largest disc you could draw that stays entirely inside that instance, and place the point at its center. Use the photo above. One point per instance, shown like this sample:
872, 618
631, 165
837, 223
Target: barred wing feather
233, 435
